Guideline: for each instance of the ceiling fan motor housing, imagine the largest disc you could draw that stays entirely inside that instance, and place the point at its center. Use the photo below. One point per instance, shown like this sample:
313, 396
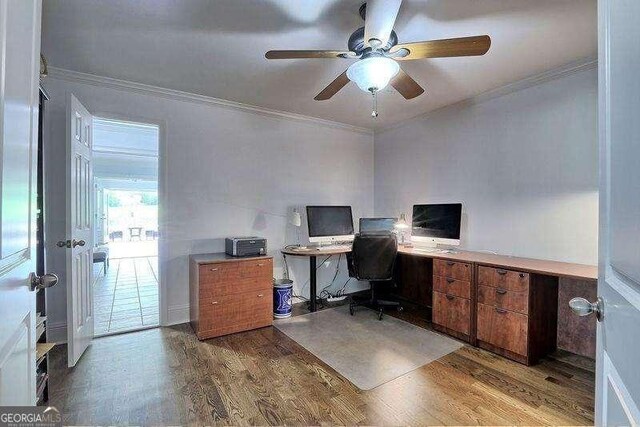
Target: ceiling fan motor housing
357, 43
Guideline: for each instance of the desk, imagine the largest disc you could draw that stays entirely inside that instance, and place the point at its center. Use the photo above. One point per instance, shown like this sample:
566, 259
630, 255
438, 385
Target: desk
530, 265
313, 253
516, 307
530, 297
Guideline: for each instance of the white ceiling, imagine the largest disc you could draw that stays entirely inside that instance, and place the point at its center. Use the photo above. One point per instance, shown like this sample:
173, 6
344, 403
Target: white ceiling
216, 48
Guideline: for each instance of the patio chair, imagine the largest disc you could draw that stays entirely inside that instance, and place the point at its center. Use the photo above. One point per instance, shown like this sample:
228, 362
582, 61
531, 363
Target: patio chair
101, 254
116, 235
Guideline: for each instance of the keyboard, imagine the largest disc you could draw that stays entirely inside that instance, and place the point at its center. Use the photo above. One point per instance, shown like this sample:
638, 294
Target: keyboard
333, 248
434, 250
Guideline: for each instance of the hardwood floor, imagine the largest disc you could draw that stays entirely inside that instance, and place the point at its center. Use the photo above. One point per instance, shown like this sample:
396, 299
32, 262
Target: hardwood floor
166, 376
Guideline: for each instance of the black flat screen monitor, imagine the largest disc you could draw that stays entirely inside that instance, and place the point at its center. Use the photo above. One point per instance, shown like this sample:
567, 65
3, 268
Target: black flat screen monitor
377, 225
439, 223
329, 223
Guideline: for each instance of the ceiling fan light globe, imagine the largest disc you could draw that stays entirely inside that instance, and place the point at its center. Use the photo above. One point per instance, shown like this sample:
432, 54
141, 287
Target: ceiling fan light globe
373, 73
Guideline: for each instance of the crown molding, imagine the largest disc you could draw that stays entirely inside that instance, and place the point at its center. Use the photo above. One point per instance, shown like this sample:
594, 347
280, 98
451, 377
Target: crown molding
144, 89
534, 80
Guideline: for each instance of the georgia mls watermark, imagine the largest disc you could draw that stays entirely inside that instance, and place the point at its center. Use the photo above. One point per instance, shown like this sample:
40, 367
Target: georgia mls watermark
30, 416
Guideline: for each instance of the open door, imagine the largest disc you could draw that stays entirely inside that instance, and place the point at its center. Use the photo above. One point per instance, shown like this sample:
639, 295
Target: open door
79, 243
618, 305
19, 66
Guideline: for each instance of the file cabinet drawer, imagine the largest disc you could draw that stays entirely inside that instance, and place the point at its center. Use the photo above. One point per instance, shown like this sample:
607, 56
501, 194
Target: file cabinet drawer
505, 279
452, 269
502, 328
452, 312
234, 313
503, 298
447, 285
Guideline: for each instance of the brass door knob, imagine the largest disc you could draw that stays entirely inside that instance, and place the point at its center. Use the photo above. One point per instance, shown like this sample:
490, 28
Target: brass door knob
70, 243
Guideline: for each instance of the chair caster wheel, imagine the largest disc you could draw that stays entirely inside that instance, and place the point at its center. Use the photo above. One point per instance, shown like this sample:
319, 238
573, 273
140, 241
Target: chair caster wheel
351, 309
380, 313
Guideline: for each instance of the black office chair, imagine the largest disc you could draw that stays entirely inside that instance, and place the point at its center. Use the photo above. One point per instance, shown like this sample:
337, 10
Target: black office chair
372, 258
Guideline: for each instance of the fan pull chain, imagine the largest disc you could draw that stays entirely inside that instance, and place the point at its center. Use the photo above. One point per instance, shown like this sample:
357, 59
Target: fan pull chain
374, 113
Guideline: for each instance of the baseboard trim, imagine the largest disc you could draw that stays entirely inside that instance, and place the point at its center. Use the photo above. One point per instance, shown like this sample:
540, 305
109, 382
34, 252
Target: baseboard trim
57, 332
177, 314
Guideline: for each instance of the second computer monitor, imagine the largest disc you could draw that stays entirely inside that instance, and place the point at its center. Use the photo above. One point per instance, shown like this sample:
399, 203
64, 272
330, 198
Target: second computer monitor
329, 224
377, 225
436, 224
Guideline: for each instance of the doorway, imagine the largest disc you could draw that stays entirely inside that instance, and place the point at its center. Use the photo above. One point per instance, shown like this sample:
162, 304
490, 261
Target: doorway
126, 286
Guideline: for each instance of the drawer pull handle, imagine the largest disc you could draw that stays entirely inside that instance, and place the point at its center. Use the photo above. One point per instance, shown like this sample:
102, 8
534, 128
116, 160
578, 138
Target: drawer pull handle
499, 271
260, 295
214, 269
450, 263
501, 291
449, 297
261, 264
450, 280
522, 275
214, 302
501, 310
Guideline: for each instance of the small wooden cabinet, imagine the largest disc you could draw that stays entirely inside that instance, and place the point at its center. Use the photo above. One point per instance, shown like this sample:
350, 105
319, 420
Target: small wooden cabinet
229, 294
452, 304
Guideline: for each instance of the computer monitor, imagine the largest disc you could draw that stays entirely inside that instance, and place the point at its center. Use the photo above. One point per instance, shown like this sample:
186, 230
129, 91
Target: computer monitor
329, 224
377, 225
436, 224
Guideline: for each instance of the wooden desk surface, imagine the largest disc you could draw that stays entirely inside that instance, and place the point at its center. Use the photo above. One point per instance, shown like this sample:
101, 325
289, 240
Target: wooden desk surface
551, 268
314, 251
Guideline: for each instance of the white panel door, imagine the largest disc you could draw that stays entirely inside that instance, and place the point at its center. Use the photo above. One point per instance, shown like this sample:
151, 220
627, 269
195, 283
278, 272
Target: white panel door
618, 355
19, 70
79, 244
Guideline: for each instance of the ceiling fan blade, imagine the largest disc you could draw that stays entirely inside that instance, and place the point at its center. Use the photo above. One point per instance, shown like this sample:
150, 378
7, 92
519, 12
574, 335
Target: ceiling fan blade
463, 46
407, 87
292, 54
333, 87
380, 18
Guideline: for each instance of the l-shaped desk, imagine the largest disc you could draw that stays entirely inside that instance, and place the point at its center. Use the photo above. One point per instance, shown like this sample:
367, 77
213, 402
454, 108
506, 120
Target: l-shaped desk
508, 305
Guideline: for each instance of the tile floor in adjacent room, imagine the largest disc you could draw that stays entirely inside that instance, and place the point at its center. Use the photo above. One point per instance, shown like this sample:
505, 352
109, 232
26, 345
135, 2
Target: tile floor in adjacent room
126, 297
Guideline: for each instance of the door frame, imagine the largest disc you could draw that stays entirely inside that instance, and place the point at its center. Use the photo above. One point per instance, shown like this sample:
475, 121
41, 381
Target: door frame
162, 200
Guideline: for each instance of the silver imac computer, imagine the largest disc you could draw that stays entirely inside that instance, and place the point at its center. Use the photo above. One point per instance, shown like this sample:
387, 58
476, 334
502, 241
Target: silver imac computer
436, 224
330, 224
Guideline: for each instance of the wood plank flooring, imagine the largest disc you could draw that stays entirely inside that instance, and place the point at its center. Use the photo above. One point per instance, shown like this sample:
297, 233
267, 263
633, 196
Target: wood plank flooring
166, 376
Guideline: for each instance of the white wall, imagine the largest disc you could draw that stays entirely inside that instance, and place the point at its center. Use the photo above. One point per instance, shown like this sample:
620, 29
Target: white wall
228, 172
524, 165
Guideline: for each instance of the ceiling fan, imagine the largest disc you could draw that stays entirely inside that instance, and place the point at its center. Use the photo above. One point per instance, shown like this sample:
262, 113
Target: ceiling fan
376, 48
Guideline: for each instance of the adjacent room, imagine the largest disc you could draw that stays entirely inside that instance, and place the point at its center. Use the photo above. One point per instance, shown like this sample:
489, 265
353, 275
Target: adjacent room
125, 254
320, 212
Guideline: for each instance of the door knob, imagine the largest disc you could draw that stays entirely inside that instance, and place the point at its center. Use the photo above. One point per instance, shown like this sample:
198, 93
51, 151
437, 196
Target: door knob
41, 282
70, 243
582, 307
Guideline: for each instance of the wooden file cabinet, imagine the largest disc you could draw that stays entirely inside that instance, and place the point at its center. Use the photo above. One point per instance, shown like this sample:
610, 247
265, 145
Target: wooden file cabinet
516, 313
229, 295
452, 304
